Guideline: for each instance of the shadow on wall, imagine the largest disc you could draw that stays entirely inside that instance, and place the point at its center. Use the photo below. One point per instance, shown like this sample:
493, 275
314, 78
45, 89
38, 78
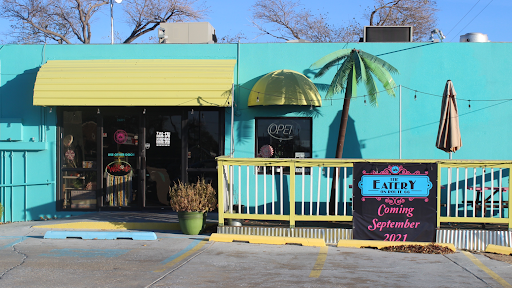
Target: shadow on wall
352, 148
16, 98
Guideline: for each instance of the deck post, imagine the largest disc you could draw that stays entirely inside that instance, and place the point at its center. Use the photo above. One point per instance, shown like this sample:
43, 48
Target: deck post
220, 191
292, 194
508, 200
438, 196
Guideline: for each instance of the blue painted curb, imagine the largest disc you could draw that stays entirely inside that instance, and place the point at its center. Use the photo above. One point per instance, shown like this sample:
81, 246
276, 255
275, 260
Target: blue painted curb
98, 235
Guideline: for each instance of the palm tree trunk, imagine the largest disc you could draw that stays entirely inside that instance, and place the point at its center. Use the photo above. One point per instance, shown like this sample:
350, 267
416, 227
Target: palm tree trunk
339, 148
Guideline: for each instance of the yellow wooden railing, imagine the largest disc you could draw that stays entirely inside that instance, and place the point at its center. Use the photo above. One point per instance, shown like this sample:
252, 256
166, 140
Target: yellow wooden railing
457, 202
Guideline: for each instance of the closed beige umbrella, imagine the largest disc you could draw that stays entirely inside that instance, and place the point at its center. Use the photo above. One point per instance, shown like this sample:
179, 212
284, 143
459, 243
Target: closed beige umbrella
448, 135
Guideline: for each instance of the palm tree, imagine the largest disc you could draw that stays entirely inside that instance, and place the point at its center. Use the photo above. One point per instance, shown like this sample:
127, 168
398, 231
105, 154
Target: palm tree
356, 66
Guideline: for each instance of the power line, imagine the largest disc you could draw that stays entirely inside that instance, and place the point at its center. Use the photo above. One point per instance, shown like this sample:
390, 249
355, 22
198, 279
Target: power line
472, 19
463, 17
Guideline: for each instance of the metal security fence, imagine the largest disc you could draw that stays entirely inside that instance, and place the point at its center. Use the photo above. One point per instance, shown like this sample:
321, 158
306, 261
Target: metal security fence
469, 191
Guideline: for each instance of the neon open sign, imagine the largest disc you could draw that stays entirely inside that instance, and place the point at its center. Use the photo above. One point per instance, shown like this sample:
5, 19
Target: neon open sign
282, 131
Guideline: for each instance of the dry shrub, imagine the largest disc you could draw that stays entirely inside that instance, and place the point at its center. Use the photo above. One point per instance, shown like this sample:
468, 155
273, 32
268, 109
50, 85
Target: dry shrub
193, 197
423, 249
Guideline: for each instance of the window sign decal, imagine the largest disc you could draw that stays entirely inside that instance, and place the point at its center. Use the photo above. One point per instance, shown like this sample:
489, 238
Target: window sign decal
120, 136
70, 155
163, 138
118, 168
395, 201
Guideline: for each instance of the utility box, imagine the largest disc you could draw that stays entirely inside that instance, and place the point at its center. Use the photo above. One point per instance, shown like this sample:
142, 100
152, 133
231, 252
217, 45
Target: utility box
11, 129
187, 33
387, 34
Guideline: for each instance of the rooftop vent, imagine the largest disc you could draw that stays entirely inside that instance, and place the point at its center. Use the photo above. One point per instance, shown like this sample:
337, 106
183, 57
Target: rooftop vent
187, 33
298, 41
474, 37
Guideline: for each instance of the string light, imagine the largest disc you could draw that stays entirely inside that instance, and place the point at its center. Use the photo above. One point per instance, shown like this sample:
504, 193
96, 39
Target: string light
364, 100
469, 102
364, 96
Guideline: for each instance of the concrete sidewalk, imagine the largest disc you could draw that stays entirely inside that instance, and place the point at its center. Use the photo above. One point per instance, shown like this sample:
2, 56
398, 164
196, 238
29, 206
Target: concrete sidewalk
120, 220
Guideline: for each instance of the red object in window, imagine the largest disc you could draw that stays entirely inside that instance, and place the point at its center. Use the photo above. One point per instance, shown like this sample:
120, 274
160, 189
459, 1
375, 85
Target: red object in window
266, 151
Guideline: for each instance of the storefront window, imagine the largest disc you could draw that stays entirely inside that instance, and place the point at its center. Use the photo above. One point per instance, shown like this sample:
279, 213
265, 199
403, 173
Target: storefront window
79, 159
203, 145
288, 137
79, 140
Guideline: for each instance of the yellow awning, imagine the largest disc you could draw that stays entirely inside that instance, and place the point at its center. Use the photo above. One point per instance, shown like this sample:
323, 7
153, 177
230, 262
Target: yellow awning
284, 87
138, 82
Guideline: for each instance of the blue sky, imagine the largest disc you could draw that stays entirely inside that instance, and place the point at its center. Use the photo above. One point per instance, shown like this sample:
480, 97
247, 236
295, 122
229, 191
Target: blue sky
229, 17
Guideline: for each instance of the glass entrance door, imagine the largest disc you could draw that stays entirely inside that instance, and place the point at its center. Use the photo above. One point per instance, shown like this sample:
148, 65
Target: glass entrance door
120, 160
204, 138
163, 149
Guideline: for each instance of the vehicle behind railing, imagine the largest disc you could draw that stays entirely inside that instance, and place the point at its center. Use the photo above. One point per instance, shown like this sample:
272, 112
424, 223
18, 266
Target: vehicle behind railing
469, 191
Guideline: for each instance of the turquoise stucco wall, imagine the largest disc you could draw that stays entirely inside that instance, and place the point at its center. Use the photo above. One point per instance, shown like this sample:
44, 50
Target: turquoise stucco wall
478, 71
18, 69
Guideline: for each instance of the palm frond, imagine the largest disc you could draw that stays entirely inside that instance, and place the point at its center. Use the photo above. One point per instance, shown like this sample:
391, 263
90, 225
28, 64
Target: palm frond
352, 82
382, 75
360, 69
330, 57
371, 88
329, 65
379, 62
334, 88
340, 79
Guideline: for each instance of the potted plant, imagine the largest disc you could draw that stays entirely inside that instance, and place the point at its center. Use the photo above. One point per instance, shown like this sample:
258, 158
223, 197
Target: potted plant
192, 201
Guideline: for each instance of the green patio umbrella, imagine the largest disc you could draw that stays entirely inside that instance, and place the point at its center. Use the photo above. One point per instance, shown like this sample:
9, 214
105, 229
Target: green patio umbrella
284, 87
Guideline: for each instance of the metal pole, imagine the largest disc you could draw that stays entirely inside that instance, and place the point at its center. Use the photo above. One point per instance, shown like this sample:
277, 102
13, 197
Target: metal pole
25, 186
111, 21
400, 121
232, 120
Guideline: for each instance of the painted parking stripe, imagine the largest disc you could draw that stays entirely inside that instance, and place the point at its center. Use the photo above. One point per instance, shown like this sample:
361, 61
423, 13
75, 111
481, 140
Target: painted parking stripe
86, 253
319, 265
191, 248
100, 235
487, 270
14, 243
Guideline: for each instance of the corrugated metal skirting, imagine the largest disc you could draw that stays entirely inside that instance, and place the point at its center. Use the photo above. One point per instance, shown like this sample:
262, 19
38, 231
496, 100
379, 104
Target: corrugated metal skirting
474, 239
462, 239
330, 235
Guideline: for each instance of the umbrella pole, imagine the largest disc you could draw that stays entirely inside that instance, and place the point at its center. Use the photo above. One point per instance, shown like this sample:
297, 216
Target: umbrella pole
449, 186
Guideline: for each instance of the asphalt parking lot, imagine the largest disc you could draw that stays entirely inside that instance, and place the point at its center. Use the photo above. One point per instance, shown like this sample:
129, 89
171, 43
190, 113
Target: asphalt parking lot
177, 260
